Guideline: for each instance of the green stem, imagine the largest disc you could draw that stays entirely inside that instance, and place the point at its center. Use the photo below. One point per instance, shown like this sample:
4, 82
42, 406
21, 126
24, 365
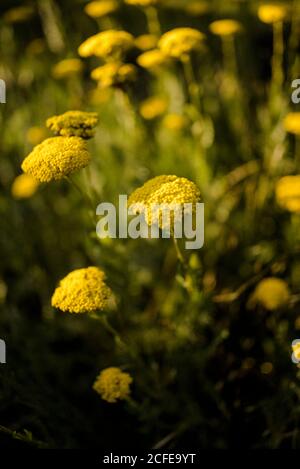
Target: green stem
192, 85
277, 60
153, 21
83, 194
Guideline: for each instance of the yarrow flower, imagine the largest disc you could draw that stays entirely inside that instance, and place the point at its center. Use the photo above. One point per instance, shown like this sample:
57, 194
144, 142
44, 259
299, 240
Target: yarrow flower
271, 13
174, 122
272, 293
180, 42
56, 158
142, 3
108, 45
146, 42
74, 123
100, 8
153, 107
296, 350
67, 68
36, 135
288, 193
225, 27
114, 74
113, 384
152, 59
82, 291
24, 186
291, 123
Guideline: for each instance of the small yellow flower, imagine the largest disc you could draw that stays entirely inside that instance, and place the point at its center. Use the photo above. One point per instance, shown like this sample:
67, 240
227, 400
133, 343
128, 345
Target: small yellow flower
74, 123
153, 107
108, 45
296, 350
288, 193
67, 68
100, 8
82, 291
181, 41
18, 14
271, 13
114, 74
174, 122
142, 3
225, 27
24, 186
272, 293
36, 135
146, 42
56, 158
291, 123
152, 59
113, 384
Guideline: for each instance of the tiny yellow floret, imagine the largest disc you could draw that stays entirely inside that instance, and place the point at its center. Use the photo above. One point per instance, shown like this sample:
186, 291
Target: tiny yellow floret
100, 8
225, 27
24, 186
288, 193
180, 42
272, 293
271, 13
109, 45
113, 384
74, 123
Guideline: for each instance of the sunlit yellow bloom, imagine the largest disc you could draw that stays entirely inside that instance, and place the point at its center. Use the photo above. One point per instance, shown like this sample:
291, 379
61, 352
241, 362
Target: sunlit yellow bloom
296, 350
271, 13
288, 193
146, 42
152, 59
67, 68
174, 122
114, 74
82, 291
272, 293
101, 8
181, 41
153, 107
36, 135
74, 123
113, 384
142, 3
111, 44
24, 186
18, 14
56, 158
291, 123
225, 27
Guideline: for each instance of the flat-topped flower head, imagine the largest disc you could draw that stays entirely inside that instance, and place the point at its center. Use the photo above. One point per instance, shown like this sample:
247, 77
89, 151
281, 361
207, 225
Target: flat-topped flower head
291, 123
74, 123
146, 42
180, 42
113, 384
288, 193
100, 8
271, 13
56, 158
153, 107
142, 3
272, 293
24, 186
114, 74
82, 291
152, 59
109, 45
67, 68
225, 27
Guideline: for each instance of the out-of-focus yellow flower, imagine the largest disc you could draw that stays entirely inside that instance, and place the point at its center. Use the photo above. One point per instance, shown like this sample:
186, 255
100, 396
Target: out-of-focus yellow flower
291, 123
18, 14
153, 107
146, 42
271, 13
67, 68
196, 8
100, 8
288, 193
36, 135
100, 96
114, 74
142, 3
181, 41
111, 44
174, 122
74, 123
56, 158
152, 59
296, 350
24, 186
225, 27
272, 293
82, 291
113, 384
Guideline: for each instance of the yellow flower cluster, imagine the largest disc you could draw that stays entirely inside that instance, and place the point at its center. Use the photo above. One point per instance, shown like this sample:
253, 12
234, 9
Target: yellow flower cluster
82, 291
108, 45
113, 384
291, 123
56, 158
142, 3
296, 350
153, 107
74, 123
100, 8
271, 13
146, 42
181, 41
225, 27
152, 59
288, 193
272, 293
174, 122
24, 186
67, 68
114, 74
